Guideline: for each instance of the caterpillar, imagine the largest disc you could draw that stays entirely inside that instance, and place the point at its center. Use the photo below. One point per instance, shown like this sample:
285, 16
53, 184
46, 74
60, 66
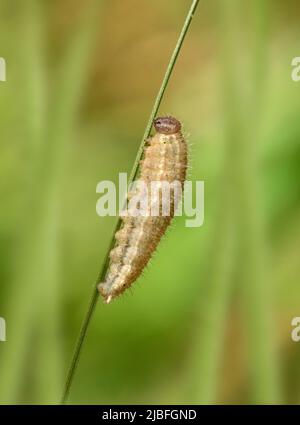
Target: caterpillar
164, 160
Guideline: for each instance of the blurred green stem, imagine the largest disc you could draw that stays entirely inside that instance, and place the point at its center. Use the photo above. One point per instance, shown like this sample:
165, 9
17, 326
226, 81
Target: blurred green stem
103, 270
71, 81
212, 315
213, 311
255, 277
21, 309
251, 255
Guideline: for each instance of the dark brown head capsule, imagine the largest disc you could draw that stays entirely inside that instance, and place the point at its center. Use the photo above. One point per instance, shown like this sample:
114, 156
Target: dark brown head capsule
167, 125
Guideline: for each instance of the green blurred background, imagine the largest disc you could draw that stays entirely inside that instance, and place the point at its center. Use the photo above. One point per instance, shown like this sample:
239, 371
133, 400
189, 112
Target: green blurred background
210, 319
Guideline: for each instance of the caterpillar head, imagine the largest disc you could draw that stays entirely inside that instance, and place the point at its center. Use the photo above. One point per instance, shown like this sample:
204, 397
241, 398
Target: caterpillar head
167, 125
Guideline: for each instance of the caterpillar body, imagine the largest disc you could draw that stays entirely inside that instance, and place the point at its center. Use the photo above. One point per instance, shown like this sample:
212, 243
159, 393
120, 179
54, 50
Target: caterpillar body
164, 160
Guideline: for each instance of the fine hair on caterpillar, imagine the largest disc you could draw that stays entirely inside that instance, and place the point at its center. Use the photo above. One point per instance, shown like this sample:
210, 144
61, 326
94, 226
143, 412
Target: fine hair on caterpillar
151, 205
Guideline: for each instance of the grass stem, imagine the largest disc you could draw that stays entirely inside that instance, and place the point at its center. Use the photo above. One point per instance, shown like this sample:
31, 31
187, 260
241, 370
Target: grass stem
94, 295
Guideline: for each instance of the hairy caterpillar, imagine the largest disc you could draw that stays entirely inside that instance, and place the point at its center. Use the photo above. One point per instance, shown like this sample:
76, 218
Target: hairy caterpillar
164, 160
